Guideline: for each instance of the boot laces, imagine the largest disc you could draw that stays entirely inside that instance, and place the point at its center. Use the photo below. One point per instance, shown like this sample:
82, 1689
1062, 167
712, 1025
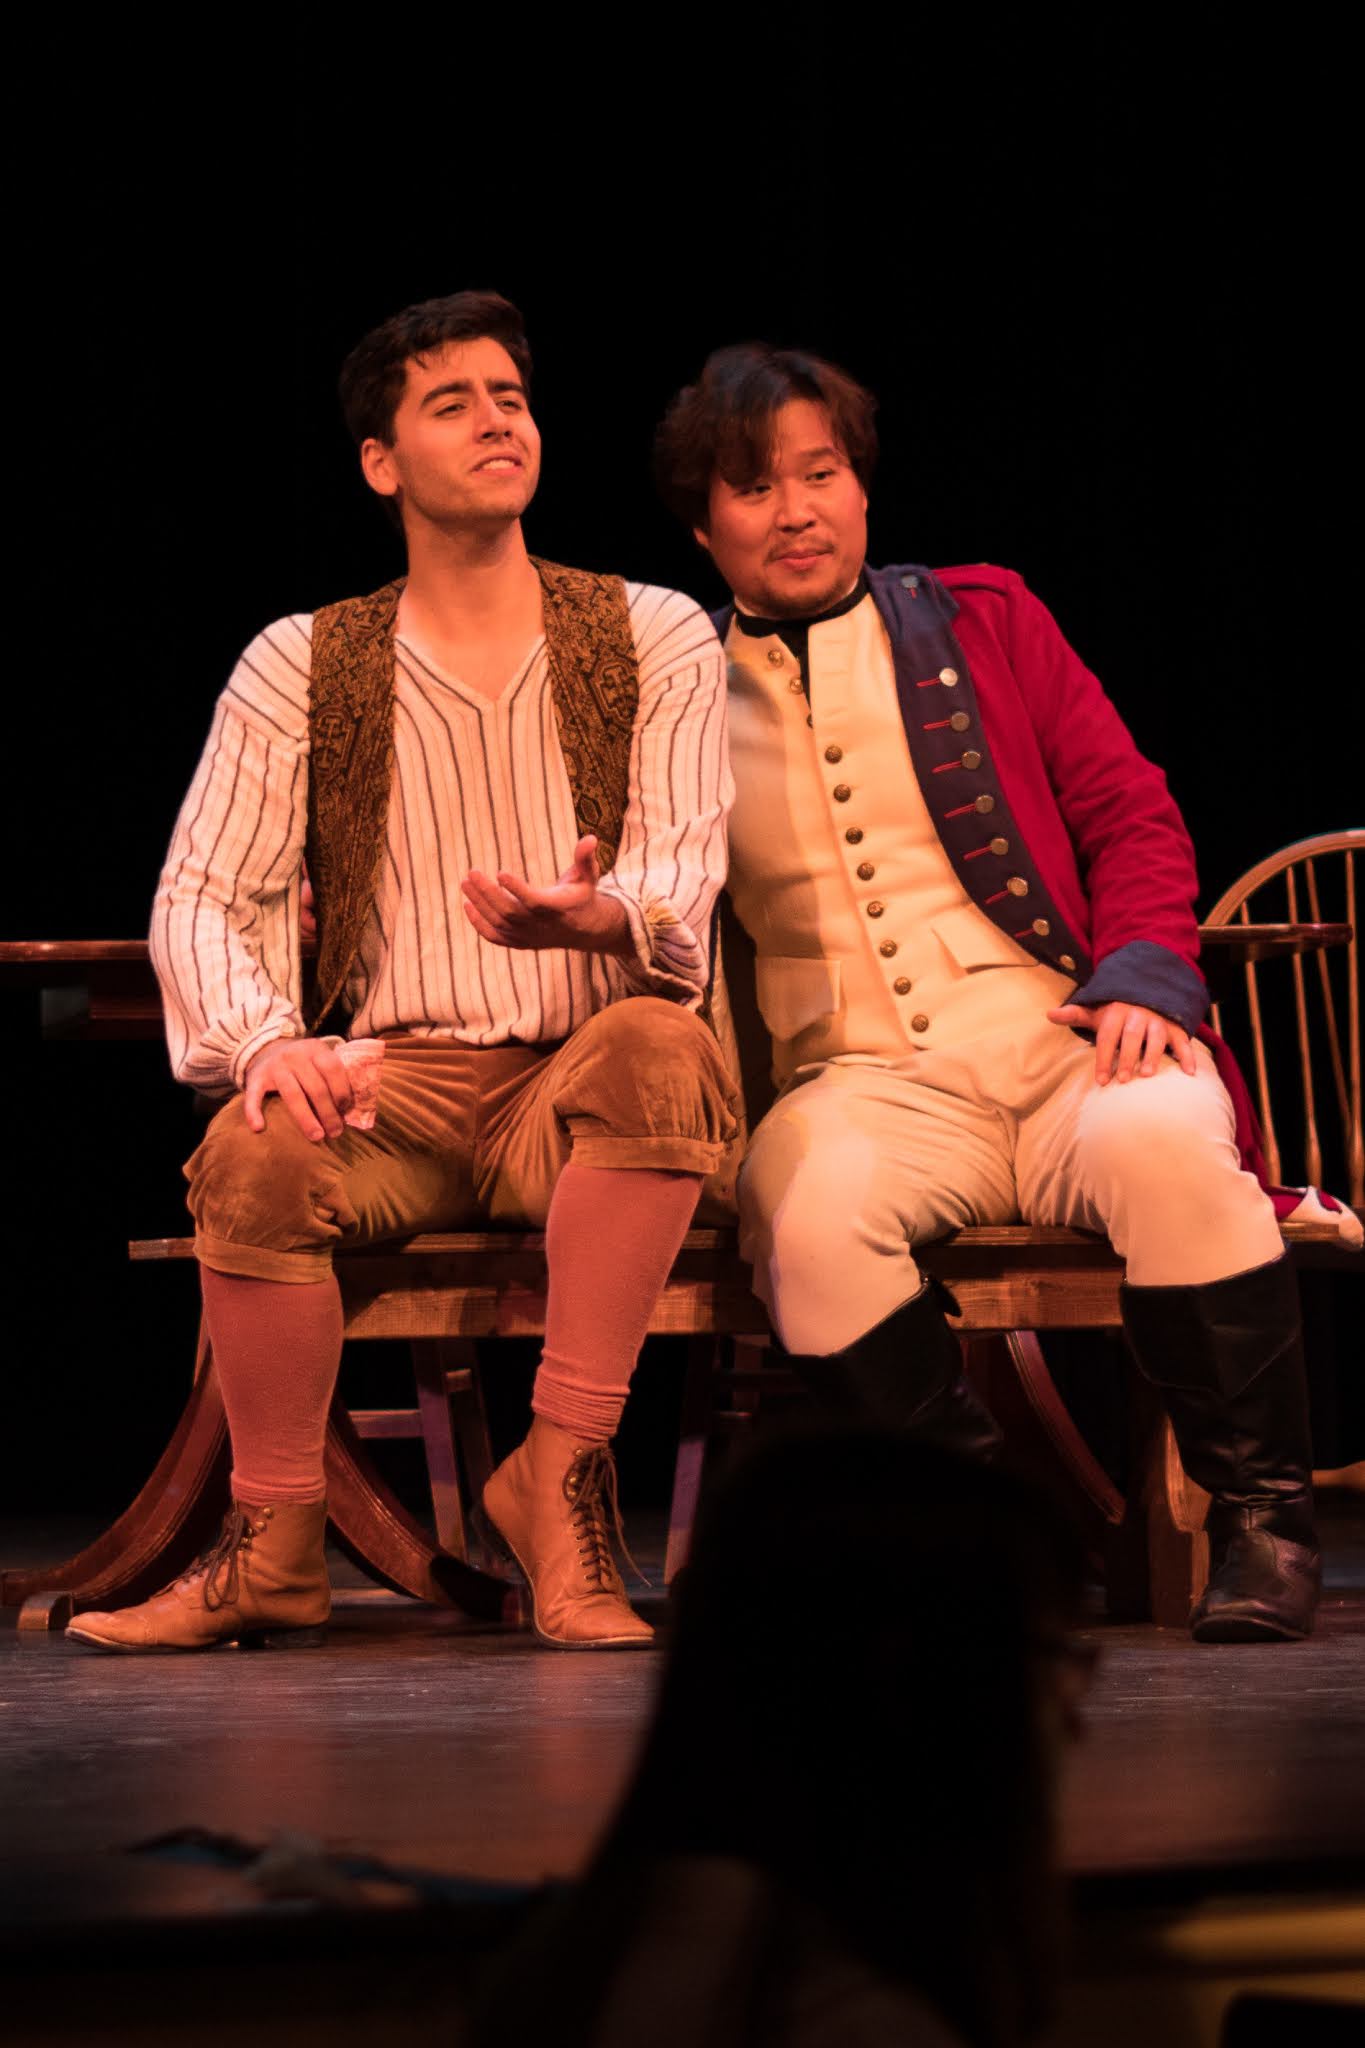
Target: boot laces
595, 1513
218, 1566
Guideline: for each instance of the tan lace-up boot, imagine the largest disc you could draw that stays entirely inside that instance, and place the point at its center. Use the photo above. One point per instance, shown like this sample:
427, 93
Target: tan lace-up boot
263, 1584
553, 1502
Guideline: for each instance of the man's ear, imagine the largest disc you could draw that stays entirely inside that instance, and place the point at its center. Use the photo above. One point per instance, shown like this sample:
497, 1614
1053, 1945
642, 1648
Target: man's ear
376, 464
702, 538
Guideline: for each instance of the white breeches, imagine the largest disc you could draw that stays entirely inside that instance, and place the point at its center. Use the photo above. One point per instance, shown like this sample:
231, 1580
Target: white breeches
859, 1161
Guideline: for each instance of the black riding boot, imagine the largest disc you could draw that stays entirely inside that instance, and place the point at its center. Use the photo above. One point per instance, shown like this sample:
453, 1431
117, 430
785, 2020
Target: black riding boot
904, 1374
1227, 1359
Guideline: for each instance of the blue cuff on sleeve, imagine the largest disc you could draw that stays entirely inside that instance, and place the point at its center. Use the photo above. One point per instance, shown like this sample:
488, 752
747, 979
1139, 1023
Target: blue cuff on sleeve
1143, 972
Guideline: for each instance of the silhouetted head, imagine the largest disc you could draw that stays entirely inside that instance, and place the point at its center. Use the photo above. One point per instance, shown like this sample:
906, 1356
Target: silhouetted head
862, 1697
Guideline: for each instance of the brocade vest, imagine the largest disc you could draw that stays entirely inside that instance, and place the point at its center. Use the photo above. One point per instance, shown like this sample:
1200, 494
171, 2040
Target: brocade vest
595, 687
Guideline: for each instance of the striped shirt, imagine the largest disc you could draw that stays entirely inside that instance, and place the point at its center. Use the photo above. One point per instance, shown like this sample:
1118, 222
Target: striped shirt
478, 783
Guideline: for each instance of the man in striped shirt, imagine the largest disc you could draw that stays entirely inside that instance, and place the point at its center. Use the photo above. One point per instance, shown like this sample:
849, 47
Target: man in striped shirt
511, 786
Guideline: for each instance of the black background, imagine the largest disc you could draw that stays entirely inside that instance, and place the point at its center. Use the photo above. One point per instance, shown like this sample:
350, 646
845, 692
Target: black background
1094, 273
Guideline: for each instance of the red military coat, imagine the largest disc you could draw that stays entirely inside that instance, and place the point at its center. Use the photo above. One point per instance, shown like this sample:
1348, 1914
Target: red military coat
1115, 869
1101, 828
1014, 740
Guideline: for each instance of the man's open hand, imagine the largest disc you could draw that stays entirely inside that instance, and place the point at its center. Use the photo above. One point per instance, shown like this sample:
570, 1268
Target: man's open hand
1128, 1038
310, 1081
571, 914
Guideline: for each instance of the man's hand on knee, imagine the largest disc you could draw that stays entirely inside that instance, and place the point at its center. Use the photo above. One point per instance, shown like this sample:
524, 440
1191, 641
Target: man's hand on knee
1128, 1038
310, 1081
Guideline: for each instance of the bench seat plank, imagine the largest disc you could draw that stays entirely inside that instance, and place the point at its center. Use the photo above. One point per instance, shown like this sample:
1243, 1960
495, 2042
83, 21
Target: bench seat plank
493, 1283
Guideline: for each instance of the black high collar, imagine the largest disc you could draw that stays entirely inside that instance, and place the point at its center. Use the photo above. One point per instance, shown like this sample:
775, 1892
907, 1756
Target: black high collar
765, 629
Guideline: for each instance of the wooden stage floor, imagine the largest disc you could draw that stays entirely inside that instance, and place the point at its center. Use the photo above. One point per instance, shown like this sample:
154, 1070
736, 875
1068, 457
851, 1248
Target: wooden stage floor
1215, 1809
430, 1743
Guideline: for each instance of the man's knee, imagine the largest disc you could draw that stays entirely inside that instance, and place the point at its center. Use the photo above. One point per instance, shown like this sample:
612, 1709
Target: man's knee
1137, 1133
270, 1188
824, 1276
829, 1248
646, 1067
647, 1029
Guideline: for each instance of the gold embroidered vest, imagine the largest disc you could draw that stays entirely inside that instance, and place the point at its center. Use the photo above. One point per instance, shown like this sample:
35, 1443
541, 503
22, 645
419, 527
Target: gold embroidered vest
595, 685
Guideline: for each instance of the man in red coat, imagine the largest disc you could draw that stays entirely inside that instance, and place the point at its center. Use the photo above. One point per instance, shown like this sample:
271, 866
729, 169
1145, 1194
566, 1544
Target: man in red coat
971, 901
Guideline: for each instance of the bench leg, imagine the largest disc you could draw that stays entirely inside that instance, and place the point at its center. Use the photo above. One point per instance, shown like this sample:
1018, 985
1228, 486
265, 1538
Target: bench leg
376, 1531
458, 1447
471, 1431
705, 1358
171, 1521
1011, 1374
1157, 1558
432, 1366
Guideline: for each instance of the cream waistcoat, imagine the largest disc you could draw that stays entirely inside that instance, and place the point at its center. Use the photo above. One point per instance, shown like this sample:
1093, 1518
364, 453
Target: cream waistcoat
867, 943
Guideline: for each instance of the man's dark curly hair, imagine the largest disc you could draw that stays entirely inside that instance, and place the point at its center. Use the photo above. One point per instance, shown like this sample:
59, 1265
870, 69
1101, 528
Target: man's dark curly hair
723, 424
375, 372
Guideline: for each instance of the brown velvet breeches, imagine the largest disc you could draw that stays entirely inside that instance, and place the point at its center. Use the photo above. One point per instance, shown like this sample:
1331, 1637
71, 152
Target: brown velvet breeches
465, 1137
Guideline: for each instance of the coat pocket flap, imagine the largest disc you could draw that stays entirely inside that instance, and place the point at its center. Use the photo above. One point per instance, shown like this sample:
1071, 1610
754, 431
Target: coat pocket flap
973, 941
793, 994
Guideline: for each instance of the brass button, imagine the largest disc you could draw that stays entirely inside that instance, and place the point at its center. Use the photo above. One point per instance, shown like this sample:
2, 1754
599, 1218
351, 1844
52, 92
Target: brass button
834, 753
888, 949
842, 792
971, 759
947, 676
919, 1022
853, 834
1042, 927
775, 656
796, 686
1000, 846
959, 721
876, 909
901, 984
1017, 886
1068, 963
984, 804
865, 871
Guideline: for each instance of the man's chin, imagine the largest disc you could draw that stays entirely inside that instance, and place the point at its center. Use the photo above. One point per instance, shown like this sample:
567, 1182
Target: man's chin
489, 510
790, 595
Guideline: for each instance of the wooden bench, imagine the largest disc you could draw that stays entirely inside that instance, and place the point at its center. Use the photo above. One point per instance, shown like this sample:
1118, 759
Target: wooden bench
444, 1293
441, 1294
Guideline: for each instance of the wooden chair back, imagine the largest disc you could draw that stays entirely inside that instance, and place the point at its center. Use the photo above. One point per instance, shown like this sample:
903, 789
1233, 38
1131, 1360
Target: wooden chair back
1317, 1138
